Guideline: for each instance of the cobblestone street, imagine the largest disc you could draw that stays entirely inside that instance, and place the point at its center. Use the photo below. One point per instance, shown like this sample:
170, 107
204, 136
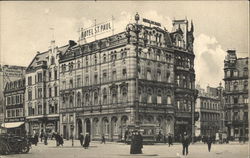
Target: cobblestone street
115, 150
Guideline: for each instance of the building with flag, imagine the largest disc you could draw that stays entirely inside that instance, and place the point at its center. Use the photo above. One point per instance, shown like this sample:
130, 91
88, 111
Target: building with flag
142, 77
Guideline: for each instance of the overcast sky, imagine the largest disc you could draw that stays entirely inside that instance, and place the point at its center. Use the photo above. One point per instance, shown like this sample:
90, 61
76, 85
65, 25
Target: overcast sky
218, 26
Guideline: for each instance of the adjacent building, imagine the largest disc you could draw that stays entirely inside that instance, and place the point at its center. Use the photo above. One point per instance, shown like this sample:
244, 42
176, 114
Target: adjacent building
8, 73
236, 95
42, 91
14, 120
143, 76
210, 109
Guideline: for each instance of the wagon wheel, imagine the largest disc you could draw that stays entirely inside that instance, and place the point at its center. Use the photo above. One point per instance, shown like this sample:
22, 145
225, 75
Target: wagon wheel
25, 148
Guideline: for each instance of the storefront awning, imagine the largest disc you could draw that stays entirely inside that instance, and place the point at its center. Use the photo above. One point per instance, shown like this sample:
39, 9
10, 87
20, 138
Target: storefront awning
12, 124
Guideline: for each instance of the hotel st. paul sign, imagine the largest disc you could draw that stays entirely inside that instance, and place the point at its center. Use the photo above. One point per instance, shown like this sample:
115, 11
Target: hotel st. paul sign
96, 30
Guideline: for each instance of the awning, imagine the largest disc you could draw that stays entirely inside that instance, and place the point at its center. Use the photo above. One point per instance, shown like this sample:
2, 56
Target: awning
12, 124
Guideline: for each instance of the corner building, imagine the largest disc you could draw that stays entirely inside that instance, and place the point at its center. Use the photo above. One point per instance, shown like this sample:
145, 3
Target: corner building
98, 84
236, 95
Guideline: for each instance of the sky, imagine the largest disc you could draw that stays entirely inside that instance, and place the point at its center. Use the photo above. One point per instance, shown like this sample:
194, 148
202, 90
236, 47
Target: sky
25, 27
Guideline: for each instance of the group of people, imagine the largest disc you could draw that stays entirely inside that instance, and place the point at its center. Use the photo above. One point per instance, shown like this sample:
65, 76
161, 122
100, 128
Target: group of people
84, 141
136, 143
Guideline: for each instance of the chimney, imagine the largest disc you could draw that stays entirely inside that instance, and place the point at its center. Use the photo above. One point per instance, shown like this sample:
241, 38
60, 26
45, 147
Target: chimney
52, 45
72, 43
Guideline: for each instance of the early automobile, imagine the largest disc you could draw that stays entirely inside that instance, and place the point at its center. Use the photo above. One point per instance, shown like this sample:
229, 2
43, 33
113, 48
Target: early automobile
13, 144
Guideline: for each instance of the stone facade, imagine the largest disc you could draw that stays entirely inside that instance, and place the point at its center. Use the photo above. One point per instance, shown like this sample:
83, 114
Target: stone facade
42, 91
236, 94
14, 106
98, 83
8, 73
209, 106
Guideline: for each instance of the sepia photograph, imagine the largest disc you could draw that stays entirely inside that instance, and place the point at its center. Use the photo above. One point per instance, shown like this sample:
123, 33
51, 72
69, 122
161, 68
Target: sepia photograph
124, 79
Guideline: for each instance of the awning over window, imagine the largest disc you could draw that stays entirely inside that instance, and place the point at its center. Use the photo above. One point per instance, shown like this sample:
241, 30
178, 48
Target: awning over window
12, 124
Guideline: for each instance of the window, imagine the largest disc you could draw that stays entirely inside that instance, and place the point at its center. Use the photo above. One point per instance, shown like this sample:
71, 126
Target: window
159, 98
52, 61
245, 72
235, 86
95, 79
158, 75
96, 99
55, 107
40, 92
55, 91
246, 100
245, 85
169, 100
245, 116
87, 80
235, 73
104, 76
78, 81
71, 83
114, 75
50, 92
51, 109
114, 96
29, 80
178, 80
78, 64
124, 73
104, 96
78, 99
71, 101
235, 100
149, 75
55, 74
149, 99
40, 109
30, 95
49, 75
8, 113
13, 113
184, 82
40, 77
104, 58
124, 94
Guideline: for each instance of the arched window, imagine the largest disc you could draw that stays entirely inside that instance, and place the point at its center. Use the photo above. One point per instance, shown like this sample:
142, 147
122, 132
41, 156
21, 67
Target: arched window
235, 73
245, 85
124, 94
114, 96
149, 74
104, 58
71, 100
159, 75
235, 86
95, 98
169, 99
245, 72
159, 97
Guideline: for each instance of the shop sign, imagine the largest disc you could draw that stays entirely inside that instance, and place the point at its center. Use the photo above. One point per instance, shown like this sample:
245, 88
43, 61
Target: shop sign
20, 119
151, 22
50, 125
53, 118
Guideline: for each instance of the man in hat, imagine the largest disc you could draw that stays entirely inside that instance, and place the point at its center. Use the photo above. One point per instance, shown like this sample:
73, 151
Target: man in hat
81, 138
185, 143
86, 141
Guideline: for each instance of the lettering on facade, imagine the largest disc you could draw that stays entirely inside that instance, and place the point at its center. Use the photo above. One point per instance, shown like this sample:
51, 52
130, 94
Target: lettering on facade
97, 29
14, 119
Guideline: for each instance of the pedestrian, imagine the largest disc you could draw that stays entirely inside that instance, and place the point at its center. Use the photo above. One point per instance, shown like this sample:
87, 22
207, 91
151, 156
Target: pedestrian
140, 139
86, 141
41, 136
126, 136
170, 141
132, 145
81, 138
60, 140
36, 139
209, 143
45, 138
185, 144
103, 139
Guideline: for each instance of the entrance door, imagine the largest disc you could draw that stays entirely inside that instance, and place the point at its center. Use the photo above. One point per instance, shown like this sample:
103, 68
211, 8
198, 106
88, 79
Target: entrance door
64, 131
